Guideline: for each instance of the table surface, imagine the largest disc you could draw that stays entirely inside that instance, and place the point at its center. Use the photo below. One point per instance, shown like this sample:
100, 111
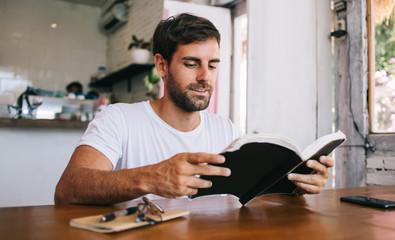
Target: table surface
322, 216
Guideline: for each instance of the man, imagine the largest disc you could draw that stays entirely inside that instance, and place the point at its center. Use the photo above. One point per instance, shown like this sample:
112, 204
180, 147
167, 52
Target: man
160, 147
74, 87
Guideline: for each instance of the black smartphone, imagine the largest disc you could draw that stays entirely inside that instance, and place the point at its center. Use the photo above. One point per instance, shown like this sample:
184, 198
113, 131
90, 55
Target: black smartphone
369, 201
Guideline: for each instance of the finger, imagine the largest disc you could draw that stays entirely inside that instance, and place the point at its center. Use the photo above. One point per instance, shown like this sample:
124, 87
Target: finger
198, 158
196, 182
209, 170
185, 192
319, 168
189, 186
309, 179
193, 185
308, 188
192, 191
327, 161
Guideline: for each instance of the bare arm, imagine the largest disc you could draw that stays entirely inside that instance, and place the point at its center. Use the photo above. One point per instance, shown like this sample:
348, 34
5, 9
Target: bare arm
89, 179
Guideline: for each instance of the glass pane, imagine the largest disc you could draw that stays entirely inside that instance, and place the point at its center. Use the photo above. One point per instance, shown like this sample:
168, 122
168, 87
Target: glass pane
384, 75
240, 72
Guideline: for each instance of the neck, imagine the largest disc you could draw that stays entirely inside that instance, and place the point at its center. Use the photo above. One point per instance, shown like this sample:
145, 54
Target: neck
176, 117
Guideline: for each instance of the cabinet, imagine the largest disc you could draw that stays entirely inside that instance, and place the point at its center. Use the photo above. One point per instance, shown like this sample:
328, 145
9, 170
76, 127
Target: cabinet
124, 74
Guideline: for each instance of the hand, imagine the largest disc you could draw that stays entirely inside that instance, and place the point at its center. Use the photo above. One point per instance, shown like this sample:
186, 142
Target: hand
176, 176
313, 183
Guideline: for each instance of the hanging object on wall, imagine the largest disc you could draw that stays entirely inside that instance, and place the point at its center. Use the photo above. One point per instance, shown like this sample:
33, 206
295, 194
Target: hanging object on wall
114, 18
225, 3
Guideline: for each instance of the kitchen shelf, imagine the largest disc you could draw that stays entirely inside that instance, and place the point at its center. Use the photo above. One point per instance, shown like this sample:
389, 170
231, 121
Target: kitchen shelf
124, 74
42, 123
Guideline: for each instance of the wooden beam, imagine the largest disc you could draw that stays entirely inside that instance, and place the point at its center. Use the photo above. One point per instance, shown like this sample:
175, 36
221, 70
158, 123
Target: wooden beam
351, 95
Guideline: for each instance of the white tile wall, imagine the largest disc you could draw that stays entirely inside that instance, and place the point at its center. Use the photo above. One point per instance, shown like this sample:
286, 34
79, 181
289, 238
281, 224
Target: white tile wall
50, 58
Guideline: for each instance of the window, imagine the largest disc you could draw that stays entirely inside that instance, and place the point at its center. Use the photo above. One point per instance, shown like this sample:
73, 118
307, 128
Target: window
382, 65
240, 72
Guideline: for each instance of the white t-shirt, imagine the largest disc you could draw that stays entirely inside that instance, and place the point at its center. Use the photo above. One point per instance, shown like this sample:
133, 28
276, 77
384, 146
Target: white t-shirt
133, 135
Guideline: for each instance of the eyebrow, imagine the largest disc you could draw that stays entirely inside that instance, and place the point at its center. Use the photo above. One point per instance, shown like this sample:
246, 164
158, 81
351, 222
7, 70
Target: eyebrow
198, 59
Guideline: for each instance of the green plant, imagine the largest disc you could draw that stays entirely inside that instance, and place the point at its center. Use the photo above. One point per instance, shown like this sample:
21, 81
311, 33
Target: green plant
139, 43
151, 83
385, 76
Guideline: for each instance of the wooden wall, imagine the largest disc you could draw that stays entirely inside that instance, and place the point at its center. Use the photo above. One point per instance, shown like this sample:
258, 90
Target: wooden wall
356, 164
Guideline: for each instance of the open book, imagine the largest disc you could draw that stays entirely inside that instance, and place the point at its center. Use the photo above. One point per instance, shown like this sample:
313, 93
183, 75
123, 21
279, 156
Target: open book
260, 164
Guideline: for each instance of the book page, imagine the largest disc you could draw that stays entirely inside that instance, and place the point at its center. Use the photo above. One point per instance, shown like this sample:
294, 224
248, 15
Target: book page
329, 142
262, 138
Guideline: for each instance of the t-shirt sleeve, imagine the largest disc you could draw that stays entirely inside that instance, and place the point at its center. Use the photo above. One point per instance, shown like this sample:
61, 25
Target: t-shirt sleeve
236, 132
221, 131
104, 133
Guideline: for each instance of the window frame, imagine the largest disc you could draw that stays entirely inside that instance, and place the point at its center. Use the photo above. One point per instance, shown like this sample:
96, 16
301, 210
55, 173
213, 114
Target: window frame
372, 68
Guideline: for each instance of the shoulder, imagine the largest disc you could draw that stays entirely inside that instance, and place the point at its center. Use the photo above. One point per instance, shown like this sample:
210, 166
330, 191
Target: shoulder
220, 124
215, 119
123, 110
119, 114
126, 107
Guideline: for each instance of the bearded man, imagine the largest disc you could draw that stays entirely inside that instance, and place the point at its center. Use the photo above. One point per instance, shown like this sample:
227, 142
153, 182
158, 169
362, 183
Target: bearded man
161, 147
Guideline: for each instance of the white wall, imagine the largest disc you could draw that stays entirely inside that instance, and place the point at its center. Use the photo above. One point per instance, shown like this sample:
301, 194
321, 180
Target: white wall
50, 57
32, 161
289, 68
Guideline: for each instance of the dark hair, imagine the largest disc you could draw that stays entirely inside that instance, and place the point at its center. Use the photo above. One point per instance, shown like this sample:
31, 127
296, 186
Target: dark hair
182, 29
73, 85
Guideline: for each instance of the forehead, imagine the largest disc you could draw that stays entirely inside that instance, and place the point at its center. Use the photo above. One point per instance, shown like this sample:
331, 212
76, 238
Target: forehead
205, 50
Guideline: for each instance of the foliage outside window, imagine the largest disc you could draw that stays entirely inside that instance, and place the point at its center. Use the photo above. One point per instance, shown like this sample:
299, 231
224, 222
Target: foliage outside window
384, 76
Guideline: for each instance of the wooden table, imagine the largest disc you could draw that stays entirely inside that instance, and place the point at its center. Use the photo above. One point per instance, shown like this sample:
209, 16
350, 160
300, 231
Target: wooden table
320, 216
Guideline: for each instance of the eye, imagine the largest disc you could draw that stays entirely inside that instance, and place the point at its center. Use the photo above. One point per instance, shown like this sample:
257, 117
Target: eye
190, 65
213, 65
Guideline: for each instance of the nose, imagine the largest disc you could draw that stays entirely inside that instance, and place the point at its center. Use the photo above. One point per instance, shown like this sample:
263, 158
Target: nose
203, 74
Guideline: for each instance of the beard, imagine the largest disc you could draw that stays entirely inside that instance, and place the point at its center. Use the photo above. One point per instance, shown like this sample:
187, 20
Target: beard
182, 98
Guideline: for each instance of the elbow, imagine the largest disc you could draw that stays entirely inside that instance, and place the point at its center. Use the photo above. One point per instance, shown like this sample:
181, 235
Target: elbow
61, 194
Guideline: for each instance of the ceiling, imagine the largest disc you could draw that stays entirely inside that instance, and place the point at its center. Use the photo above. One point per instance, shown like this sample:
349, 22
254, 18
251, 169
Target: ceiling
95, 3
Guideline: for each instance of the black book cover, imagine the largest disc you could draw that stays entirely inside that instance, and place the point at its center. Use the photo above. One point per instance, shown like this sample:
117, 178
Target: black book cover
260, 168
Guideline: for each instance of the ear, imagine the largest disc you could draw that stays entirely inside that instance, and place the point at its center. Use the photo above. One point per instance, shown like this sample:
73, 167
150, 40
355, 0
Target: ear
161, 65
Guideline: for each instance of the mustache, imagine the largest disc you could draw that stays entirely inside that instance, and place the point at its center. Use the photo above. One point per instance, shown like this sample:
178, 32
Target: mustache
201, 85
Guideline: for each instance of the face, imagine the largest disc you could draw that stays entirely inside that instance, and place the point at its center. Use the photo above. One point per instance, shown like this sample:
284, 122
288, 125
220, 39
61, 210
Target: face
191, 75
75, 89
